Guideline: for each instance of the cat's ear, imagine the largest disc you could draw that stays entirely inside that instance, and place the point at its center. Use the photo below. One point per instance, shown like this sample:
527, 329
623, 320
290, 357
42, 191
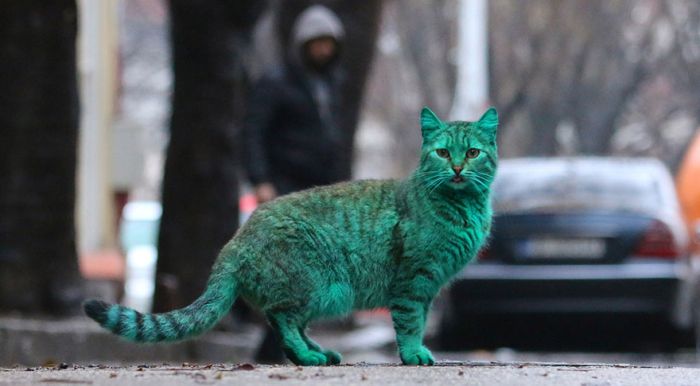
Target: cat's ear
429, 122
489, 120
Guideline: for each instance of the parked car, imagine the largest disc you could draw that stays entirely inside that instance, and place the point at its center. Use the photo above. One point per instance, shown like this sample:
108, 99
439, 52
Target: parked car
577, 237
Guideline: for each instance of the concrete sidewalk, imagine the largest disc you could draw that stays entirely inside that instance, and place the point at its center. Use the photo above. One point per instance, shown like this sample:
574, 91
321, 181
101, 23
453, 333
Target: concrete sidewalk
446, 373
76, 351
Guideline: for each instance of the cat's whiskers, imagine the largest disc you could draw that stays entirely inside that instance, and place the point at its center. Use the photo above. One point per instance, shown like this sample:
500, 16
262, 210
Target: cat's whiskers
481, 175
486, 176
433, 179
430, 177
428, 173
435, 186
433, 183
479, 180
476, 176
440, 179
429, 181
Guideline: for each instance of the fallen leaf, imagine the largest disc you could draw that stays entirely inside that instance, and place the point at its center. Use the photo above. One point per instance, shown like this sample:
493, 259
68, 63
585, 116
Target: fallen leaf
245, 367
63, 380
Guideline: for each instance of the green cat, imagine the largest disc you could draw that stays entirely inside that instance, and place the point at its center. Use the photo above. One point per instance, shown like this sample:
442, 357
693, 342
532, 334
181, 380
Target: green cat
327, 251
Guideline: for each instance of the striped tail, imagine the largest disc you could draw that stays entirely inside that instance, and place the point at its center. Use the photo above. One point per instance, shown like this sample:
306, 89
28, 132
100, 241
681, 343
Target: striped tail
171, 326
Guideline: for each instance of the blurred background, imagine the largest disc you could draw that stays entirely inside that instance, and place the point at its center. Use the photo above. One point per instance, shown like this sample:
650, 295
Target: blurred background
122, 176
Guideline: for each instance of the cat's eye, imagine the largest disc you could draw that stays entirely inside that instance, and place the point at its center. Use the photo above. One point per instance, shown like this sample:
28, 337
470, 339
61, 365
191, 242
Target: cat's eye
473, 153
443, 153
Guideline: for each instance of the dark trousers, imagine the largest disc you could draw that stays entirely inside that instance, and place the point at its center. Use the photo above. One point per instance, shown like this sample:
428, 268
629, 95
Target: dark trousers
270, 349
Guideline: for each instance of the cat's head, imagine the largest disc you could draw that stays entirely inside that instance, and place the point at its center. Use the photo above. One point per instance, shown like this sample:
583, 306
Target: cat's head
460, 155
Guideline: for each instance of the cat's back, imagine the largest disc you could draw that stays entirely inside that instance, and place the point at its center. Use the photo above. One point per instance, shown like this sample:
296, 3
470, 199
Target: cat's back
350, 220
345, 197
347, 209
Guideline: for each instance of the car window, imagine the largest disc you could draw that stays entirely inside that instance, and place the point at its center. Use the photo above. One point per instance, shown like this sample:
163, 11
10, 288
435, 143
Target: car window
572, 186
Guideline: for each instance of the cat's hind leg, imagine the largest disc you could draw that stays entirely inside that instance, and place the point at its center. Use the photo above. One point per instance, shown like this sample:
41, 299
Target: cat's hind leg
333, 357
293, 343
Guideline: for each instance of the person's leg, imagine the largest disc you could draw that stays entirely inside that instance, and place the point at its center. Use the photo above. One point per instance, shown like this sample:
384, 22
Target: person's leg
270, 349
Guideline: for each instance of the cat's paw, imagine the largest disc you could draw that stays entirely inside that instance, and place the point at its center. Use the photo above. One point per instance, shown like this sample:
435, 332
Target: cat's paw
414, 357
310, 358
333, 358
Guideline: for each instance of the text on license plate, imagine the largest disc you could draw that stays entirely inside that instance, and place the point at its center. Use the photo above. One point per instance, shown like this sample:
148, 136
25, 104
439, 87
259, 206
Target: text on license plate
563, 248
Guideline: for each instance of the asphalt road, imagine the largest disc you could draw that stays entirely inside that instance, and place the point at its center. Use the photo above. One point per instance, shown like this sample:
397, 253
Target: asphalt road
445, 373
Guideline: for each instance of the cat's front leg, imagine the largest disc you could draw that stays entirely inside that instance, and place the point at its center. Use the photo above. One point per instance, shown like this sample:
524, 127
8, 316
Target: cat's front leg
409, 316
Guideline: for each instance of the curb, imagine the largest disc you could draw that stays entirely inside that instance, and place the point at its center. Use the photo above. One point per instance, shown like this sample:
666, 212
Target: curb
35, 342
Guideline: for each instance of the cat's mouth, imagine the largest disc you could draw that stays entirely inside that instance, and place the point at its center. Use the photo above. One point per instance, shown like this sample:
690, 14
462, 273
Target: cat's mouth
457, 179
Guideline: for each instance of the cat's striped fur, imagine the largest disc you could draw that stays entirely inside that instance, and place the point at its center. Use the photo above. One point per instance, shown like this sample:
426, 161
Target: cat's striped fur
328, 251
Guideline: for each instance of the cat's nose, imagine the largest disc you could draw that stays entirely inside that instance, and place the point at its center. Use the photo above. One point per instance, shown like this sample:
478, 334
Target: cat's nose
457, 169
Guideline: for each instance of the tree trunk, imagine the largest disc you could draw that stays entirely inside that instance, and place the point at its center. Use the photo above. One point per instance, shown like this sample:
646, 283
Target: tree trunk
361, 23
39, 126
200, 185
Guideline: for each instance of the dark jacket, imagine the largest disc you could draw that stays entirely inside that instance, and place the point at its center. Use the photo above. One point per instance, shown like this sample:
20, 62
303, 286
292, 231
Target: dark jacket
294, 134
287, 141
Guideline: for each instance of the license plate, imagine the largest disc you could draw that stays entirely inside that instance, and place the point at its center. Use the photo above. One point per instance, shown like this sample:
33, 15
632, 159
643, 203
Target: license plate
551, 248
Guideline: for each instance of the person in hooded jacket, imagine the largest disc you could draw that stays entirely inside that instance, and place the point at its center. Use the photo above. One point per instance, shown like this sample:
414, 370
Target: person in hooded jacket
292, 131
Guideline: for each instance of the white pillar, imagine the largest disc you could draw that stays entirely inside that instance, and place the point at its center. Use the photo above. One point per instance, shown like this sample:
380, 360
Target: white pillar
97, 59
472, 89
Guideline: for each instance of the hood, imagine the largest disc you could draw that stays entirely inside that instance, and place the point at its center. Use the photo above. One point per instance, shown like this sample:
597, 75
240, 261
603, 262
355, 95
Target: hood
316, 21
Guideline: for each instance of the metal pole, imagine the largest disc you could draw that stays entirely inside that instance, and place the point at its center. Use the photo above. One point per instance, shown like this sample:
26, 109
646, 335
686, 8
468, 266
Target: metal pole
97, 70
471, 92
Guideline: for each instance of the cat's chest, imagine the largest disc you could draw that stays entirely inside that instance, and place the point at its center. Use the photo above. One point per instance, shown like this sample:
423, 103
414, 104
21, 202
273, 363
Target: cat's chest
465, 234
470, 233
